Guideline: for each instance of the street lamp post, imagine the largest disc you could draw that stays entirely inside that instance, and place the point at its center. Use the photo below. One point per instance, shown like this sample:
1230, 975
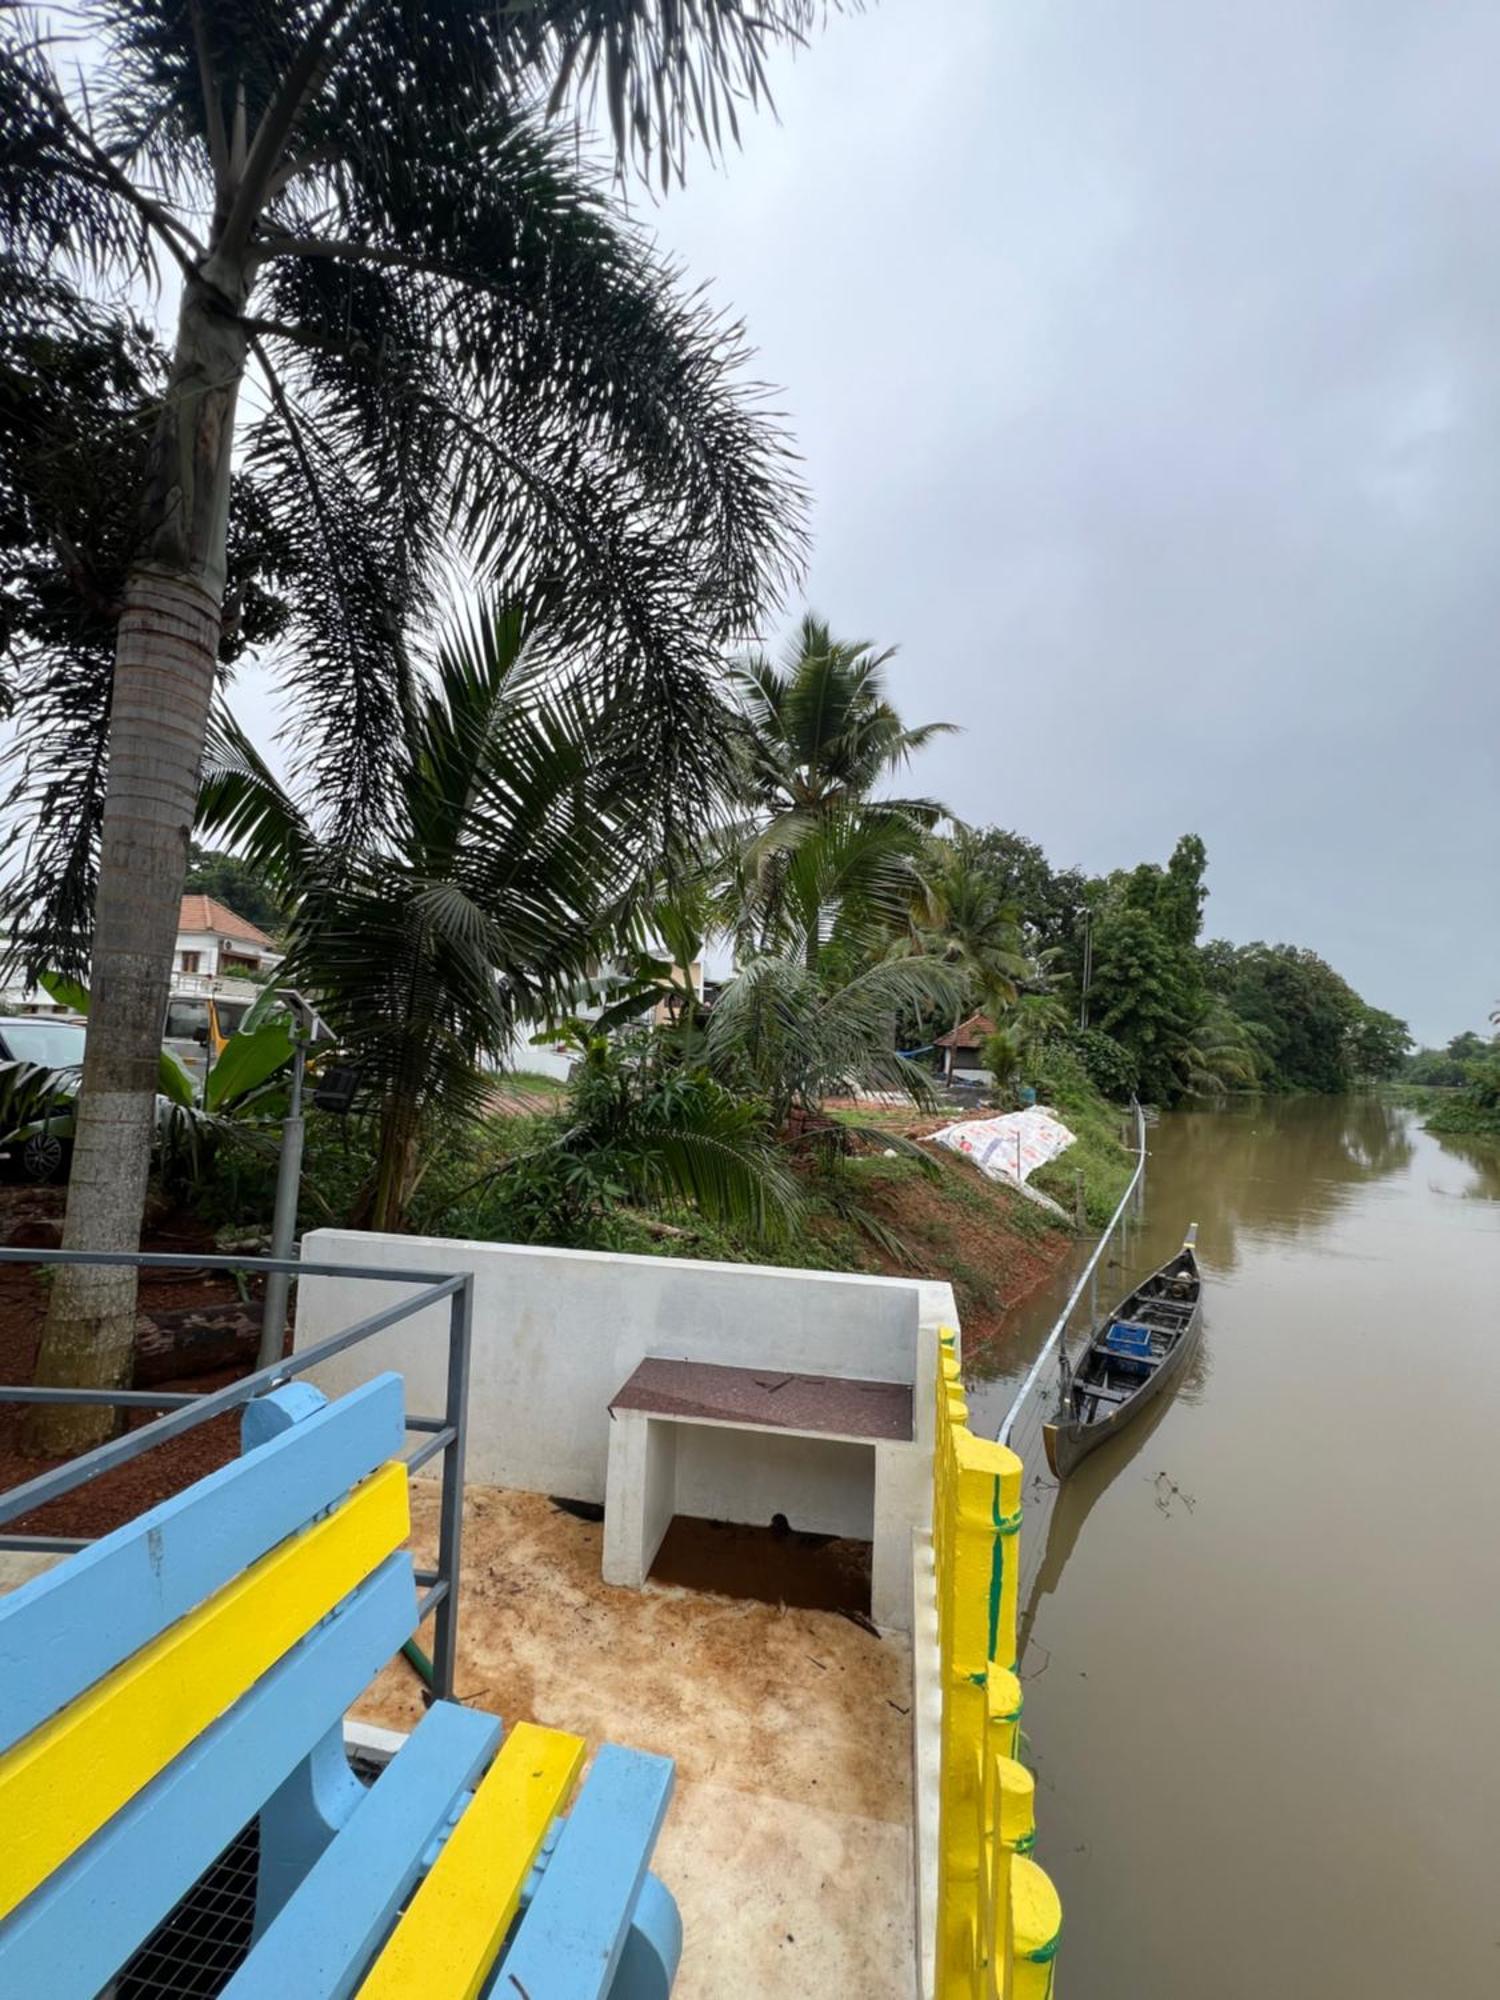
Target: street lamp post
307, 1028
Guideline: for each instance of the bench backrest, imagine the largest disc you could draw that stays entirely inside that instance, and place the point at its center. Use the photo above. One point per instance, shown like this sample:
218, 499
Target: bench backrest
158, 1687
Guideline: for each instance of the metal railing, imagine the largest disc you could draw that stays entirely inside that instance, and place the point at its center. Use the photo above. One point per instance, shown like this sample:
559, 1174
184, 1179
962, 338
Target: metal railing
1039, 1392
1130, 1203
184, 1410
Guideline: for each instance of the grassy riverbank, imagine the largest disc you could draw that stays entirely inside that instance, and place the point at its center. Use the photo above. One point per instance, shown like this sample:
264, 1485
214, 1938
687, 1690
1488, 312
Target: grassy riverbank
1097, 1155
872, 1209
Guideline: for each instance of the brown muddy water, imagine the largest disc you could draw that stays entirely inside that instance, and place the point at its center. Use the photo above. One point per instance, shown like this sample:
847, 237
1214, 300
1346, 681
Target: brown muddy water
1263, 1671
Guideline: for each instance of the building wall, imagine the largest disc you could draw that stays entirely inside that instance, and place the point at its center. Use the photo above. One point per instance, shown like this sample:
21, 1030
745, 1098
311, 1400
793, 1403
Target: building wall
204, 944
557, 1333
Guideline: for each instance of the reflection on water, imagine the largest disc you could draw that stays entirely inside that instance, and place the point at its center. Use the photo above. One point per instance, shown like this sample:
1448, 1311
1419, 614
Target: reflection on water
1483, 1155
1068, 1507
1265, 1622
1280, 1166
1275, 1166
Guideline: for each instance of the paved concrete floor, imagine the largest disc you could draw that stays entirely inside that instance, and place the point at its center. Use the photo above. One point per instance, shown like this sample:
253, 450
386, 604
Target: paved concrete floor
788, 1845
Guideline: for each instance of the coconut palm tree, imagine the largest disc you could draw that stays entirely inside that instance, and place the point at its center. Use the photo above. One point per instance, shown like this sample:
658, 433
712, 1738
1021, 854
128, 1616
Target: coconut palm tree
519, 838
818, 735
647, 1127
438, 336
836, 892
963, 920
821, 733
794, 1039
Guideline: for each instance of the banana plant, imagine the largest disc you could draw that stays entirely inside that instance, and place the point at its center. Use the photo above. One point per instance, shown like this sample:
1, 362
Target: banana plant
254, 1054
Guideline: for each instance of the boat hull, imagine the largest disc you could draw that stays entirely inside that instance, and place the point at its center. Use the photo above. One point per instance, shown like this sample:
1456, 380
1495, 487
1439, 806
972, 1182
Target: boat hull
1068, 1442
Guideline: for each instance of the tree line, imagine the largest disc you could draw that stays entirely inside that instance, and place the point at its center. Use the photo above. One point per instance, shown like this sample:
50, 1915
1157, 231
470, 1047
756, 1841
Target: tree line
1115, 970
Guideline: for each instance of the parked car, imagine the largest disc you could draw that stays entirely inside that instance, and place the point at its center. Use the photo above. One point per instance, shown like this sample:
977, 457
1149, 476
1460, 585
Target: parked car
40, 1149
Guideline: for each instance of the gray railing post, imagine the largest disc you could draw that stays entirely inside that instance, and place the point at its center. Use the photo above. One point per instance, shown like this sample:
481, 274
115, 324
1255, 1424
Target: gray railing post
284, 1216
451, 1515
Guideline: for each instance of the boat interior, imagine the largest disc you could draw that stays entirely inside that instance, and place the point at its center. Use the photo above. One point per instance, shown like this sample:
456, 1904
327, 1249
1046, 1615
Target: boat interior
1123, 1355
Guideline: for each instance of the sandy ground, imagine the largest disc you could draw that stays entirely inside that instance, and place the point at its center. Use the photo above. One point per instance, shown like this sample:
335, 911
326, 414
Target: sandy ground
788, 1844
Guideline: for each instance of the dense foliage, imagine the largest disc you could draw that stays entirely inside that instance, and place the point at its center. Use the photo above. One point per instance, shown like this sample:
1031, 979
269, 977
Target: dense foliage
1458, 1086
1158, 1011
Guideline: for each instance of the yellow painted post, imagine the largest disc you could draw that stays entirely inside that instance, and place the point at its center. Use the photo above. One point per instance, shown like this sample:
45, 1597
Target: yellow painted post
1036, 1919
997, 1928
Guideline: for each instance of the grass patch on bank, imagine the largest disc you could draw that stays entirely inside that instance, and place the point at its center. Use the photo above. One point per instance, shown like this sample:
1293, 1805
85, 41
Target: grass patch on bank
1098, 1152
1464, 1116
535, 1081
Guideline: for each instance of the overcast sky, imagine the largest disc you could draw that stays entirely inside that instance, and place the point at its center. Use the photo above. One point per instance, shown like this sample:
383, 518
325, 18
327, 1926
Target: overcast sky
1146, 363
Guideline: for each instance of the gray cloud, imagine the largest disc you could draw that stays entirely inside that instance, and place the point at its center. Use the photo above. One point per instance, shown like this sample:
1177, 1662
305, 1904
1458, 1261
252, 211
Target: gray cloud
1146, 361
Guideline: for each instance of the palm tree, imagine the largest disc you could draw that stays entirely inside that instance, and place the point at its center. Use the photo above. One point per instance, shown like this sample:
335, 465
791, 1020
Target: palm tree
443, 339
646, 1126
519, 835
836, 891
1217, 1054
819, 734
964, 921
791, 1037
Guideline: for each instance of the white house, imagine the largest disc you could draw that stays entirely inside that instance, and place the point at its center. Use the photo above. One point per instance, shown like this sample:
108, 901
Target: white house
214, 942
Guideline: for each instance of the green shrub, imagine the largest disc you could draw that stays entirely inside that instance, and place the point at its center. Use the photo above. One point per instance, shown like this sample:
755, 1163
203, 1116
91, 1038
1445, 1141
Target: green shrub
1110, 1065
1097, 1152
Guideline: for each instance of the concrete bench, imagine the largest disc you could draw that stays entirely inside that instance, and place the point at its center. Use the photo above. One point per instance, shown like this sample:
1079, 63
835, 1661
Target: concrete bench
850, 1432
187, 1677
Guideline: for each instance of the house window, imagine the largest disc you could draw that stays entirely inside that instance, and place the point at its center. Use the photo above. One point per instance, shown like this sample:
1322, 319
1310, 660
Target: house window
190, 961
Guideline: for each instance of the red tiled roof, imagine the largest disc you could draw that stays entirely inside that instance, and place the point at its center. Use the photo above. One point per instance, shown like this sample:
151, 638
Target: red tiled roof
202, 913
968, 1034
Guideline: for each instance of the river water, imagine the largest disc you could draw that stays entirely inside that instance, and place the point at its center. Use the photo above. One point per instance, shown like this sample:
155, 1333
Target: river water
1263, 1666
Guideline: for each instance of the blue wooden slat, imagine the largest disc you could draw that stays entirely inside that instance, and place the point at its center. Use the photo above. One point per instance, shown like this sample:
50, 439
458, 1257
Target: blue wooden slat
571, 1940
321, 1944
72, 1934
64, 1629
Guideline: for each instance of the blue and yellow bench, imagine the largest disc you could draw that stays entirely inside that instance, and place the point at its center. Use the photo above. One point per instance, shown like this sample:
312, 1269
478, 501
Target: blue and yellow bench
188, 1675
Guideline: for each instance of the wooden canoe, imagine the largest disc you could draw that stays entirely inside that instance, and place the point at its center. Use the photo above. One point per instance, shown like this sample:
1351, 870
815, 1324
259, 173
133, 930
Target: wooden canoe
1133, 1356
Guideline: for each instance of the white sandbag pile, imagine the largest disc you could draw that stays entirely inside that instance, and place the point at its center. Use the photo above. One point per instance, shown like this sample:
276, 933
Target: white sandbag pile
1010, 1147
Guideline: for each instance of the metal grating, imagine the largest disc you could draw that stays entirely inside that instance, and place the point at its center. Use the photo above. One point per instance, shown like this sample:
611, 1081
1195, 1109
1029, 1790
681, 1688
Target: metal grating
196, 1949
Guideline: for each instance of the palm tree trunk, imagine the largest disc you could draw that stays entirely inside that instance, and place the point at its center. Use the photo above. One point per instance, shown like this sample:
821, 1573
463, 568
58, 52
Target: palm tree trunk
165, 657
396, 1168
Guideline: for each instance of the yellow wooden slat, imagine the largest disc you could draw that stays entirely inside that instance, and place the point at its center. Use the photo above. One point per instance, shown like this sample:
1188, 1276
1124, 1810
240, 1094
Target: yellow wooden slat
451, 1934
61, 1783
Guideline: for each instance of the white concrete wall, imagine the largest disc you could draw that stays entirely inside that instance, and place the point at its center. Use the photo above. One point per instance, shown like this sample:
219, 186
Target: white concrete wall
205, 944
557, 1333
